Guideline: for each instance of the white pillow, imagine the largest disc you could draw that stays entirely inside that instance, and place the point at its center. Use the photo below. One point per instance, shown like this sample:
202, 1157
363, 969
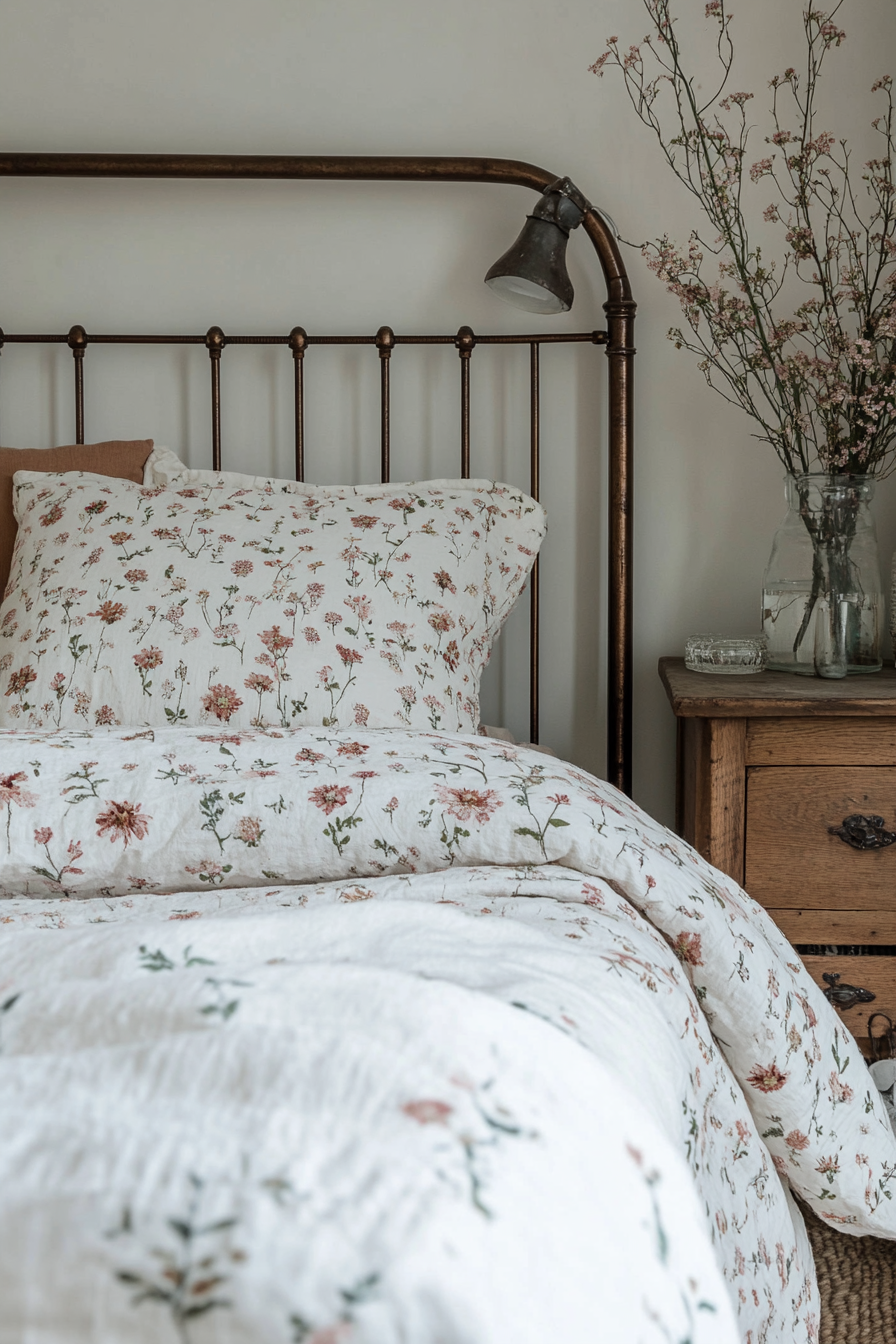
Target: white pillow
216, 602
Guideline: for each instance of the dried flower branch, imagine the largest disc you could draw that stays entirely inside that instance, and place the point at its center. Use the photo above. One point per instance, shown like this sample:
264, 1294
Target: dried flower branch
821, 382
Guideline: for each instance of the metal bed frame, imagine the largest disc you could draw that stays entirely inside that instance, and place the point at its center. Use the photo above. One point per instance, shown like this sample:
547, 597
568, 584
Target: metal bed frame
617, 341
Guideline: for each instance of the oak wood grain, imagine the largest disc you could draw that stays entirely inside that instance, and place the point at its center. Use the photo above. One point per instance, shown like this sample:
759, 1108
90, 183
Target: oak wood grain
791, 858
875, 973
690, 802
824, 741
776, 694
863, 927
725, 764
712, 767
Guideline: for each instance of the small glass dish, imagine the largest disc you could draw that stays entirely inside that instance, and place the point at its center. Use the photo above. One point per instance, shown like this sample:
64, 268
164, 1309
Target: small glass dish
726, 655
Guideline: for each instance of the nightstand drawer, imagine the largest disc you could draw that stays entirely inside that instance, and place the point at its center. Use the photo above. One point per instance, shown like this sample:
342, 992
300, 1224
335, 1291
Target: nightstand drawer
877, 974
828, 741
840, 927
791, 858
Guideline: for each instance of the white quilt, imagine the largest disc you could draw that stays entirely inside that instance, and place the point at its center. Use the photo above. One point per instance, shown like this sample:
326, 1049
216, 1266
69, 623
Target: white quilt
379, 1036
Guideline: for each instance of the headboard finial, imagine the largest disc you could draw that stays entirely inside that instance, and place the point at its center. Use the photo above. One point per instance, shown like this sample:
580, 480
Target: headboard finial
215, 341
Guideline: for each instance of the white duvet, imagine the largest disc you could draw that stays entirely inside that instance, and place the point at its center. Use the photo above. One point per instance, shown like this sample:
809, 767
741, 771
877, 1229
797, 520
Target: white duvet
313, 1036
297, 1127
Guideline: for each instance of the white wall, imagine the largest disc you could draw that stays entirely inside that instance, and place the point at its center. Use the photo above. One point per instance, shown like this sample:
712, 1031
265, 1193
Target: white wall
499, 77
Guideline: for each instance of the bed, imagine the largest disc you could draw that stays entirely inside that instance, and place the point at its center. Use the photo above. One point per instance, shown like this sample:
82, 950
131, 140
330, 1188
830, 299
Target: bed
324, 1015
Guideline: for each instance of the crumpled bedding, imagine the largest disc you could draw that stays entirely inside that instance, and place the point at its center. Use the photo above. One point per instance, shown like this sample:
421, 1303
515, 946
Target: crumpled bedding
180, 905
293, 1127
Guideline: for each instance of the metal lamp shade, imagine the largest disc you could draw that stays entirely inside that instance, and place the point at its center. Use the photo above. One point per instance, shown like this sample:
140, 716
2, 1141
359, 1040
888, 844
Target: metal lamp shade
532, 273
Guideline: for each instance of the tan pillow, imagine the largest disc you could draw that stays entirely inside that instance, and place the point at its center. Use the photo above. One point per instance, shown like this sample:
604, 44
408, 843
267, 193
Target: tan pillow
123, 458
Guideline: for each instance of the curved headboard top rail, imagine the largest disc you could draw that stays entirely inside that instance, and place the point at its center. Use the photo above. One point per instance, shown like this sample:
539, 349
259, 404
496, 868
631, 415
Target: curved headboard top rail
619, 308
336, 167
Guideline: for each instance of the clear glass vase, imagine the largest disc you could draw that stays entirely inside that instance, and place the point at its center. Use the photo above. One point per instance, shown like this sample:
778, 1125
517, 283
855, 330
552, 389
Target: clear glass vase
822, 603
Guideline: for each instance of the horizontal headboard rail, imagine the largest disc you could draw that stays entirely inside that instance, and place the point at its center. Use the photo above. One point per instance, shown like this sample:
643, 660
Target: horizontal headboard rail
542, 338
384, 341
618, 341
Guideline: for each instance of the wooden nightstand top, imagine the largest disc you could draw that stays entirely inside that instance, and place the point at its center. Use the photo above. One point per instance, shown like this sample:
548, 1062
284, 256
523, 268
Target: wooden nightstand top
703, 695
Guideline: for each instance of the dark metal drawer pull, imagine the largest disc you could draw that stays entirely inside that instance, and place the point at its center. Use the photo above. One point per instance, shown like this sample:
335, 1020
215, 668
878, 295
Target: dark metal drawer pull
863, 832
845, 996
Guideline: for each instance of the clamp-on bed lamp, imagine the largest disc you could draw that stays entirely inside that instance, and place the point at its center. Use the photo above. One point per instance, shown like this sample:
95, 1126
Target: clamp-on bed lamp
532, 273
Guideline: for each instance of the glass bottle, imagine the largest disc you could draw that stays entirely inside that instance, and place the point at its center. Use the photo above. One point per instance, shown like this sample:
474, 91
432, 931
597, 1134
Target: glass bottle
823, 604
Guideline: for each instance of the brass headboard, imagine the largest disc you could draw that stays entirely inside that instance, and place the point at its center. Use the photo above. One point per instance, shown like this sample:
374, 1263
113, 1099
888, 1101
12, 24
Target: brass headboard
617, 340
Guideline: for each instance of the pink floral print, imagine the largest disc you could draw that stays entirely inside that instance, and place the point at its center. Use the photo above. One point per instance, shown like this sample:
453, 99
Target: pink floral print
330, 796
11, 791
222, 702
428, 1112
442, 1110
123, 821
766, 1077
688, 947
198, 810
257, 606
279, 820
21, 680
467, 803
148, 658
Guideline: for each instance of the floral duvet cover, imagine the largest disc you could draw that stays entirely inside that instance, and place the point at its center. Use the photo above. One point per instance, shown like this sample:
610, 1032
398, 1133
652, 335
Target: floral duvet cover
380, 1036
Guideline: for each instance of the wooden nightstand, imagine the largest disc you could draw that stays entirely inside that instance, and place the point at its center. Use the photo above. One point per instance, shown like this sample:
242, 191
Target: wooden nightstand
770, 767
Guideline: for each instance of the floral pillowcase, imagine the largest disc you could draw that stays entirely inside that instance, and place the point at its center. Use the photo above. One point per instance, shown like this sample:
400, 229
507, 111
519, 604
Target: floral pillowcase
209, 601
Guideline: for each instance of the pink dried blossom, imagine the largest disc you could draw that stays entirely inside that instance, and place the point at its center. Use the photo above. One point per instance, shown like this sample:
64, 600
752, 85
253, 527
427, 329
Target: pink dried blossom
820, 383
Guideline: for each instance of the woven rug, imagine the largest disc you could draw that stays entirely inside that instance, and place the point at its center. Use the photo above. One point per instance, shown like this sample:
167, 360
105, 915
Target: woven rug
857, 1281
